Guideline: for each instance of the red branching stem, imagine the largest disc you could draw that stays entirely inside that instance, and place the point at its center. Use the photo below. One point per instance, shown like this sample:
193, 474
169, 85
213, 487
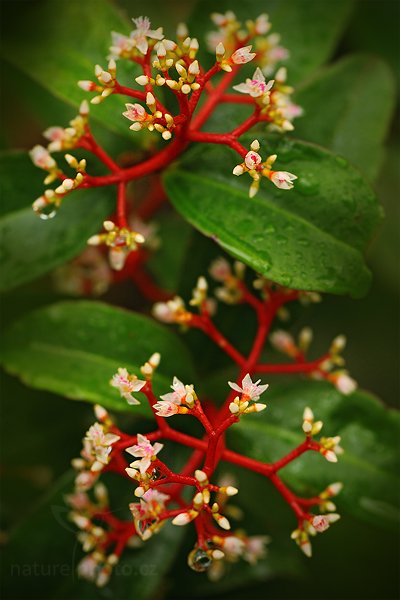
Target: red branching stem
148, 391
197, 412
288, 496
237, 99
157, 162
204, 323
213, 99
88, 142
299, 367
308, 444
121, 205
247, 124
148, 288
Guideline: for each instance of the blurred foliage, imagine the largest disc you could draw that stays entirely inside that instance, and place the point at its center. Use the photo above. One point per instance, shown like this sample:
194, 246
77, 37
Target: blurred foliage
41, 431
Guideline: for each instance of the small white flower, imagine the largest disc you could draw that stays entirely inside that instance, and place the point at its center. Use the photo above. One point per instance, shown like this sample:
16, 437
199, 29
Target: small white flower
166, 408
42, 158
255, 86
135, 112
126, 384
143, 31
220, 269
145, 451
180, 392
345, 384
262, 24
242, 56
255, 548
282, 179
233, 546
252, 391
252, 159
320, 523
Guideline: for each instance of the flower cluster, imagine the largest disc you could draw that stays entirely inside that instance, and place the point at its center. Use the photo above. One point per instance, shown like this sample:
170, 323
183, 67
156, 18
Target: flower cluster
120, 240
156, 485
254, 166
174, 66
327, 367
96, 452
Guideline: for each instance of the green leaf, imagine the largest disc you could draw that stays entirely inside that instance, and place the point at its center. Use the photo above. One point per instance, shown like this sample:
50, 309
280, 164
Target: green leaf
309, 29
369, 433
310, 238
43, 555
29, 246
63, 47
347, 108
74, 348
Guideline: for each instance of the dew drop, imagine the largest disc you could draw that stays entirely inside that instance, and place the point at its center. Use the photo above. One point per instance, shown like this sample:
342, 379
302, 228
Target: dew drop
306, 186
47, 212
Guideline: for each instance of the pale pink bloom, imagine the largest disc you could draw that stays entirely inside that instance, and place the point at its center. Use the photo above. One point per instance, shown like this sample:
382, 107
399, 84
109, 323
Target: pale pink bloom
282, 179
255, 86
85, 480
135, 112
233, 546
145, 451
242, 56
97, 446
54, 134
222, 20
345, 384
252, 159
180, 391
252, 391
121, 44
282, 341
320, 523
167, 312
255, 548
42, 158
88, 568
262, 24
166, 408
220, 269
213, 39
143, 31
79, 500
147, 510
126, 384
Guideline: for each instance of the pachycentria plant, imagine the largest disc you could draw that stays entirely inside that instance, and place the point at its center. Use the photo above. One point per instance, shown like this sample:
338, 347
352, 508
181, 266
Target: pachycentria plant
192, 494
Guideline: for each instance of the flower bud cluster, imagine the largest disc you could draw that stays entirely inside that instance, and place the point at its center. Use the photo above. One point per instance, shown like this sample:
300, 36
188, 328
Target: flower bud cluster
120, 240
97, 565
310, 527
107, 81
220, 270
254, 166
61, 138
173, 311
328, 446
96, 452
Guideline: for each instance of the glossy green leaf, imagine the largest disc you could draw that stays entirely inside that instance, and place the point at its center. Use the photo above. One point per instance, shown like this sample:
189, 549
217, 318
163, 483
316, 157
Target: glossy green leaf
311, 237
74, 348
42, 556
29, 246
369, 431
63, 47
309, 29
347, 108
